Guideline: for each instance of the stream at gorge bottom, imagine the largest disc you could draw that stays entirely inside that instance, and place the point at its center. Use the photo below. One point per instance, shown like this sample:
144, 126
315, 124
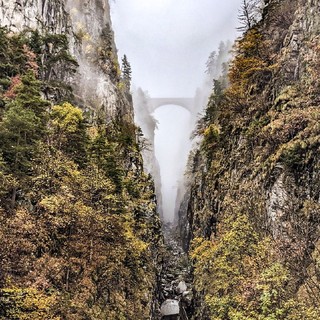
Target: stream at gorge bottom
175, 296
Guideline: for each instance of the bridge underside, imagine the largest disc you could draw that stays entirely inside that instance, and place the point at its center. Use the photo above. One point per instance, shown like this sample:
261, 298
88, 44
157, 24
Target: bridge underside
186, 103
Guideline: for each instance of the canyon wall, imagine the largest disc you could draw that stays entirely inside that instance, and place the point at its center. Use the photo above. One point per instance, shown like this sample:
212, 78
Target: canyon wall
80, 231
251, 217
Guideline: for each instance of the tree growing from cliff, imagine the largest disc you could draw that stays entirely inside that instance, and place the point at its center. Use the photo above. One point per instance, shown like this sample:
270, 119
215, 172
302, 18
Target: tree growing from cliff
249, 14
18, 133
106, 54
211, 63
126, 72
68, 132
107, 39
22, 127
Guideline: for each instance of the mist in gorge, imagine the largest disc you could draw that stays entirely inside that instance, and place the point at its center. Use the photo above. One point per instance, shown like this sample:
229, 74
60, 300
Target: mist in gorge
176, 49
169, 41
172, 146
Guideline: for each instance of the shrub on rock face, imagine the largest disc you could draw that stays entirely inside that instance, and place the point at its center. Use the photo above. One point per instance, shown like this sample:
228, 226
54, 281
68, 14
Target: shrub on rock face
24, 304
211, 134
68, 131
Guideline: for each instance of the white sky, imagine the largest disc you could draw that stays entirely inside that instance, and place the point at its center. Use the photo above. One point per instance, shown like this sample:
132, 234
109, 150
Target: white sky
168, 41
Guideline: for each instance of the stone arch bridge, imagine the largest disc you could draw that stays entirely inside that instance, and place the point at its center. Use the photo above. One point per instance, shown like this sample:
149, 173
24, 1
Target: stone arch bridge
186, 103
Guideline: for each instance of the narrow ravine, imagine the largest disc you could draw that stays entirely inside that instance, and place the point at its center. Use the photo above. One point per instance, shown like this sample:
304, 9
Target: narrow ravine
172, 145
176, 290
109, 210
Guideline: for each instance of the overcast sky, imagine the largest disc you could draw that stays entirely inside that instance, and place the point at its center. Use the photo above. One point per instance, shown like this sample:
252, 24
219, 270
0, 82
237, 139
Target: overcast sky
168, 41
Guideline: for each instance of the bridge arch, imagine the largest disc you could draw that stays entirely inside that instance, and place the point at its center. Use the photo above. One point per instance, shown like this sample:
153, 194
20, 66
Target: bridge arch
186, 103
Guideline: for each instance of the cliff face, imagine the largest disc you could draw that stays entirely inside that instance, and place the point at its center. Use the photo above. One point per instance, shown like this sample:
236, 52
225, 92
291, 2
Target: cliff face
78, 223
87, 26
253, 207
18, 15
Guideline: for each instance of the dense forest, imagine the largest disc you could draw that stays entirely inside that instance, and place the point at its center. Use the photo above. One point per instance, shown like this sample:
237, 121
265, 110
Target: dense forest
78, 218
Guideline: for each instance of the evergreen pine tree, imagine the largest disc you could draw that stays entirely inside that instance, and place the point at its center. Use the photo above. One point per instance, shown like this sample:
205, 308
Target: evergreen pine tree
104, 156
126, 72
211, 63
23, 125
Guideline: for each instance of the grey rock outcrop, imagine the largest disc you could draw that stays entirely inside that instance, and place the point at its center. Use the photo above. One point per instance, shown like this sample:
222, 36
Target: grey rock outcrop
85, 24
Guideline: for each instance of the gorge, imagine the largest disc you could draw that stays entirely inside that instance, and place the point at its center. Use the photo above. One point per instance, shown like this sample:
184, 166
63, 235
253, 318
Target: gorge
90, 227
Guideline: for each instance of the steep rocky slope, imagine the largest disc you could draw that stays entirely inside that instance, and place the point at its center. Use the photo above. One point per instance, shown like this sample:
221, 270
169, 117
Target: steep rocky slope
86, 25
79, 230
253, 206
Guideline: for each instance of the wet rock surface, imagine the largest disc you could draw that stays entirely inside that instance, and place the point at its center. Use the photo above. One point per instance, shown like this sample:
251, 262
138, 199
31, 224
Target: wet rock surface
175, 279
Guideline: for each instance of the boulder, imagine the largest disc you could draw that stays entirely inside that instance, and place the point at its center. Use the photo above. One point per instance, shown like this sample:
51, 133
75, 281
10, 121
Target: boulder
182, 287
170, 307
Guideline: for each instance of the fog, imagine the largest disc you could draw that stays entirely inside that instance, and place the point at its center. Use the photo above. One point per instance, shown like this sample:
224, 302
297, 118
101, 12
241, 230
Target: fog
168, 43
171, 149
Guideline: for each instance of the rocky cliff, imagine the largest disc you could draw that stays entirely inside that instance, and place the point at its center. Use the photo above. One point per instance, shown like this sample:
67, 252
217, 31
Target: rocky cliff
253, 205
78, 223
87, 27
